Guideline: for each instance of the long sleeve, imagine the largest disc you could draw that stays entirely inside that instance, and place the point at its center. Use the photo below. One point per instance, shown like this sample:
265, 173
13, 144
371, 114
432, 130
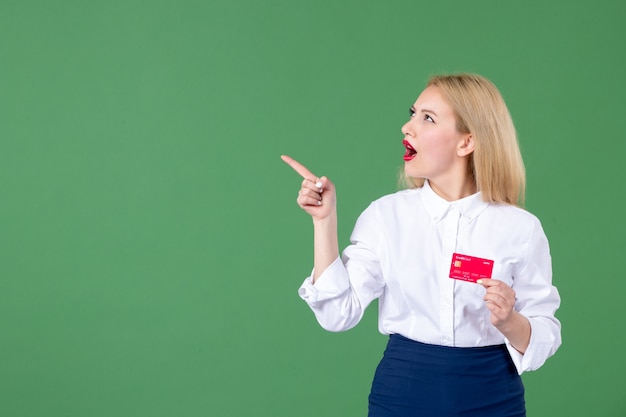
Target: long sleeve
537, 300
343, 291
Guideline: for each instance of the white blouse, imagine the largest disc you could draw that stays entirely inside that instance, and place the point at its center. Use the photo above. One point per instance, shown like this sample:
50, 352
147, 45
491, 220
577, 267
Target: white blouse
401, 252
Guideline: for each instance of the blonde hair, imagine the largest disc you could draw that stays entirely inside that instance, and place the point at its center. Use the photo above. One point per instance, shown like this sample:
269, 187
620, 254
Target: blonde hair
496, 163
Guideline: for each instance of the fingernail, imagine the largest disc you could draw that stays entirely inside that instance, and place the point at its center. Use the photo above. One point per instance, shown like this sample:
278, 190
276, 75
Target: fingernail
480, 281
319, 184
319, 203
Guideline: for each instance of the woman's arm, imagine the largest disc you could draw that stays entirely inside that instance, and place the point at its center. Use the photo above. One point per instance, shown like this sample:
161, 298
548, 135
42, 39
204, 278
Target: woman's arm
500, 300
525, 312
325, 244
317, 197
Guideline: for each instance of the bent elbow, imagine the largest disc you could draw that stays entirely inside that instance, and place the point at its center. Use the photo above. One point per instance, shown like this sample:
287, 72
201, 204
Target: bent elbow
339, 321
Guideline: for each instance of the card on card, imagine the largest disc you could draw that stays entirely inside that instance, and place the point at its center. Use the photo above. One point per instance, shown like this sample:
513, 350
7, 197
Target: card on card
470, 268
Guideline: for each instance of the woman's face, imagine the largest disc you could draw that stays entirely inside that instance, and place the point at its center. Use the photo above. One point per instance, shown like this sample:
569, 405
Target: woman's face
435, 150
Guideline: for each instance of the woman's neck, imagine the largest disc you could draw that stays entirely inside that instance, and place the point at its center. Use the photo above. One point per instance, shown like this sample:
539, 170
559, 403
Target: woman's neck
453, 191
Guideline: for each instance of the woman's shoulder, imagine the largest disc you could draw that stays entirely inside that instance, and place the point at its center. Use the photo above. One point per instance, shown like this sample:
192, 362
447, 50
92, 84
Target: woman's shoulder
387, 210
400, 196
398, 200
514, 214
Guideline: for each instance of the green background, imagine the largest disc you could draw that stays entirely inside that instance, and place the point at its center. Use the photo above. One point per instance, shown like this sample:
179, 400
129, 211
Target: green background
150, 244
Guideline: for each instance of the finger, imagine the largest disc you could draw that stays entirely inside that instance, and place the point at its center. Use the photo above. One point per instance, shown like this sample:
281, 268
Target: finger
299, 168
321, 183
492, 307
493, 298
308, 192
309, 201
502, 289
487, 282
500, 302
315, 185
305, 199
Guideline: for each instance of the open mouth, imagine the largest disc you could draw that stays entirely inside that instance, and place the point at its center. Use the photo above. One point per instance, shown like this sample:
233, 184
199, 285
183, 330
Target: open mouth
410, 151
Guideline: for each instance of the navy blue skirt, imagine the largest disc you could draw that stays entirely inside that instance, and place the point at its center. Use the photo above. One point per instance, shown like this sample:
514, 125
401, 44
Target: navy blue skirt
416, 379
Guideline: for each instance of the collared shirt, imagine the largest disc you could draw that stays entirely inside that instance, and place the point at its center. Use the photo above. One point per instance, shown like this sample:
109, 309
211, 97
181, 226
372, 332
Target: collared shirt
401, 251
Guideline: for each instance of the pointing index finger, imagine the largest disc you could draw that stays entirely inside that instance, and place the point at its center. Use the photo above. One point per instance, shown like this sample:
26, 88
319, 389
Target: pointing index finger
299, 168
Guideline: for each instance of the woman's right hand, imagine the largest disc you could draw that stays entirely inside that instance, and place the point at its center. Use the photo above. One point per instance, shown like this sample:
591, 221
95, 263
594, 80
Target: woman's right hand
317, 195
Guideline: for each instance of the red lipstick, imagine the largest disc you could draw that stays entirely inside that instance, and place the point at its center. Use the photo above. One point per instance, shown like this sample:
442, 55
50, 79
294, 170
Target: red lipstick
410, 151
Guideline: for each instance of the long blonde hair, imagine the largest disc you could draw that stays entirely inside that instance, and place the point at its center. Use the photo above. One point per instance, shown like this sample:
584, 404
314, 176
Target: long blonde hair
496, 163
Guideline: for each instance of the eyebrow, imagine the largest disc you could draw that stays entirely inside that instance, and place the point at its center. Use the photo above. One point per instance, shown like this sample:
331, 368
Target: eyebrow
423, 111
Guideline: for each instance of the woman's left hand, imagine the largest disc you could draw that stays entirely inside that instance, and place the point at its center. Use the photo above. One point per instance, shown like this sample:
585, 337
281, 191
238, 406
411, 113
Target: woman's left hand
500, 300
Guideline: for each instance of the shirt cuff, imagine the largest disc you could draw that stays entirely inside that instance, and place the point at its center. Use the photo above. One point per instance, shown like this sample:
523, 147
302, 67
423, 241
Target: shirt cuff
541, 346
330, 284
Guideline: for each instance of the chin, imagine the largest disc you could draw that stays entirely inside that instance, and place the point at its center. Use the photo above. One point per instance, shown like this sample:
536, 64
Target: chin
407, 180
412, 172
412, 182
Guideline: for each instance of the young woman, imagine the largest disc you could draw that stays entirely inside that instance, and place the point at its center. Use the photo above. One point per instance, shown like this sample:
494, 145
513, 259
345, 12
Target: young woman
462, 273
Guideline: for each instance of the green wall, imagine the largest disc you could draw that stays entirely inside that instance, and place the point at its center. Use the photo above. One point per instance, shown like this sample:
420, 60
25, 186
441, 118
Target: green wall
150, 244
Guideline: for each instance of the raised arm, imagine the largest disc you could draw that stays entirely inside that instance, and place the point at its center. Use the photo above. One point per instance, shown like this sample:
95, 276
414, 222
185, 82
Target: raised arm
317, 197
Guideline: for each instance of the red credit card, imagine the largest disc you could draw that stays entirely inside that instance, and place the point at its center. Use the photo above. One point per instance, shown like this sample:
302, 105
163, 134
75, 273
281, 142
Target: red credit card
470, 268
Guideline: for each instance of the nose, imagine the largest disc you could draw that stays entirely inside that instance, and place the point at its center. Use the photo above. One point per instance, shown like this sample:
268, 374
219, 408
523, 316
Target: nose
406, 129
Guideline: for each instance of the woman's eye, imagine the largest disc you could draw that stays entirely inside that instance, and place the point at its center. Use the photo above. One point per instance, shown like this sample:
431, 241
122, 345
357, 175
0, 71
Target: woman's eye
428, 118
411, 112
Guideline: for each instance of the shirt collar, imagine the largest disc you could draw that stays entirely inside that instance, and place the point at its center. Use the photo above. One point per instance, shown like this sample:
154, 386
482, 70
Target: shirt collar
469, 207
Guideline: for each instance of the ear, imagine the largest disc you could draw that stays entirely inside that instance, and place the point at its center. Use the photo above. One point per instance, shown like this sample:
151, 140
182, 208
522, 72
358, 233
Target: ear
466, 145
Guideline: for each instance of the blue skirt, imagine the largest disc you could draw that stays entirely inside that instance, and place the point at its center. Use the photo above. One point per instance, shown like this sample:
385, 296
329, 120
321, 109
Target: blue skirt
416, 379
